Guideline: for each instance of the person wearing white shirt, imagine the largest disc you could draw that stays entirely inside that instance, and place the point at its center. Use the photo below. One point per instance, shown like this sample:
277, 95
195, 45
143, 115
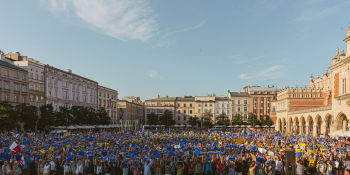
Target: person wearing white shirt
47, 169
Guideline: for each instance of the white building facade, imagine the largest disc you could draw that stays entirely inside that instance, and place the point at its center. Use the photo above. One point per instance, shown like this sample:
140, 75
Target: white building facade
63, 88
223, 106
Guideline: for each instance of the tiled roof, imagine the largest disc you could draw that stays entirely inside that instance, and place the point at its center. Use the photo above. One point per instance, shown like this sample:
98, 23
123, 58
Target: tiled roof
6, 64
239, 94
163, 99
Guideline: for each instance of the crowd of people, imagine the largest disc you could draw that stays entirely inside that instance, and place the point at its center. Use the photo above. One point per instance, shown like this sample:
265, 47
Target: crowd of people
170, 152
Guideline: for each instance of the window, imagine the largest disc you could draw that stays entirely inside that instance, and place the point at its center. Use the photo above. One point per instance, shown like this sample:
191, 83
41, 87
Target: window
178, 118
199, 111
254, 105
185, 111
31, 98
210, 105
24, 77
245, 102
239, 109
24, 88
16, 87
190, 111
199, 105
191, 105
205, 105
233, 102
228, 111
222, 105
268, 99
261, 98
228, 105
185, 118
185, 105
178, 111
178, 105
15, 99
17, 75
239, 102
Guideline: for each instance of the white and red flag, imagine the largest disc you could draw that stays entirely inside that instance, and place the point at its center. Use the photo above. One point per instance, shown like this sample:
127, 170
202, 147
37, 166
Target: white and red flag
15, 148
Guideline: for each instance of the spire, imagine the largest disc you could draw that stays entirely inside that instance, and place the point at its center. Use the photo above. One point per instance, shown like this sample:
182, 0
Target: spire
337, 51
347, 40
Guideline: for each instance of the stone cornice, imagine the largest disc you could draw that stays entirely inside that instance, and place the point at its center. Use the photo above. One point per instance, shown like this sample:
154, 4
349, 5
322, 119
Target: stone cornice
314, 109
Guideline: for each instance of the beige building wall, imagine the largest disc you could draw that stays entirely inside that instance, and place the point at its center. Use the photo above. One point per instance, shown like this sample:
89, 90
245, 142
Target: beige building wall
185, 109
107, 99
240, 104
35, 77
159, 105
13, 82
131, 108
205, 104
333, 113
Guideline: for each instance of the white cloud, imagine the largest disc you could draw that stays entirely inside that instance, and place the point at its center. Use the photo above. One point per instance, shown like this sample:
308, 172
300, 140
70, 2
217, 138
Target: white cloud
152, 74
166, 39
272, 72
121, 19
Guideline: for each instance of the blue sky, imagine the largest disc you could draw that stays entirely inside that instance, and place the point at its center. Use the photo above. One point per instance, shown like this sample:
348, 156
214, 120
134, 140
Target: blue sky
175, 48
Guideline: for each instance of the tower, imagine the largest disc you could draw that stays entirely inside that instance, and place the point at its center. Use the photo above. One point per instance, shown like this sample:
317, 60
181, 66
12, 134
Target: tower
347, 40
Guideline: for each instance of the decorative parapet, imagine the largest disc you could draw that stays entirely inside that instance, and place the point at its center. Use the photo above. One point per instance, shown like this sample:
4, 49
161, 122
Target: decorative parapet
314, 109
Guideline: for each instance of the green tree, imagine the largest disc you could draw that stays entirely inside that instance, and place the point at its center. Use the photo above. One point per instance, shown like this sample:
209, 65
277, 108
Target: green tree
26, 115
47, 117
167, 118
267, 121
253, 120
237, 120
63, 117
207, 120
193, 121
222, 119
102, 118
152, 119
7, 120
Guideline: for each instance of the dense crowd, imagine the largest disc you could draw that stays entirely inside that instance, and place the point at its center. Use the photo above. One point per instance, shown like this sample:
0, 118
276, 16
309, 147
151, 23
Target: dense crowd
170, 152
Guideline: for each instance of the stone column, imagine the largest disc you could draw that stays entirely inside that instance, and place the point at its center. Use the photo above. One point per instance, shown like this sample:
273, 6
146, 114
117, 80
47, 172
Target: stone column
314, 129
323, 128
306, 129
300, 129
345, 125
295, 129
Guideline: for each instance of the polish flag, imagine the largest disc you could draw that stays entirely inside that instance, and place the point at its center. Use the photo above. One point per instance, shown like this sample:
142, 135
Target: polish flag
23, 162
15, 148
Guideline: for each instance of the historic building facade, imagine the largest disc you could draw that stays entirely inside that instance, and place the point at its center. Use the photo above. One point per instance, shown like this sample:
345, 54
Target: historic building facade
240, 104
205, 104
223, 106
260, 99
159, 105
185, 109
107, 100
64, 88
13, 82
36, 80
131, 108
324, 107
